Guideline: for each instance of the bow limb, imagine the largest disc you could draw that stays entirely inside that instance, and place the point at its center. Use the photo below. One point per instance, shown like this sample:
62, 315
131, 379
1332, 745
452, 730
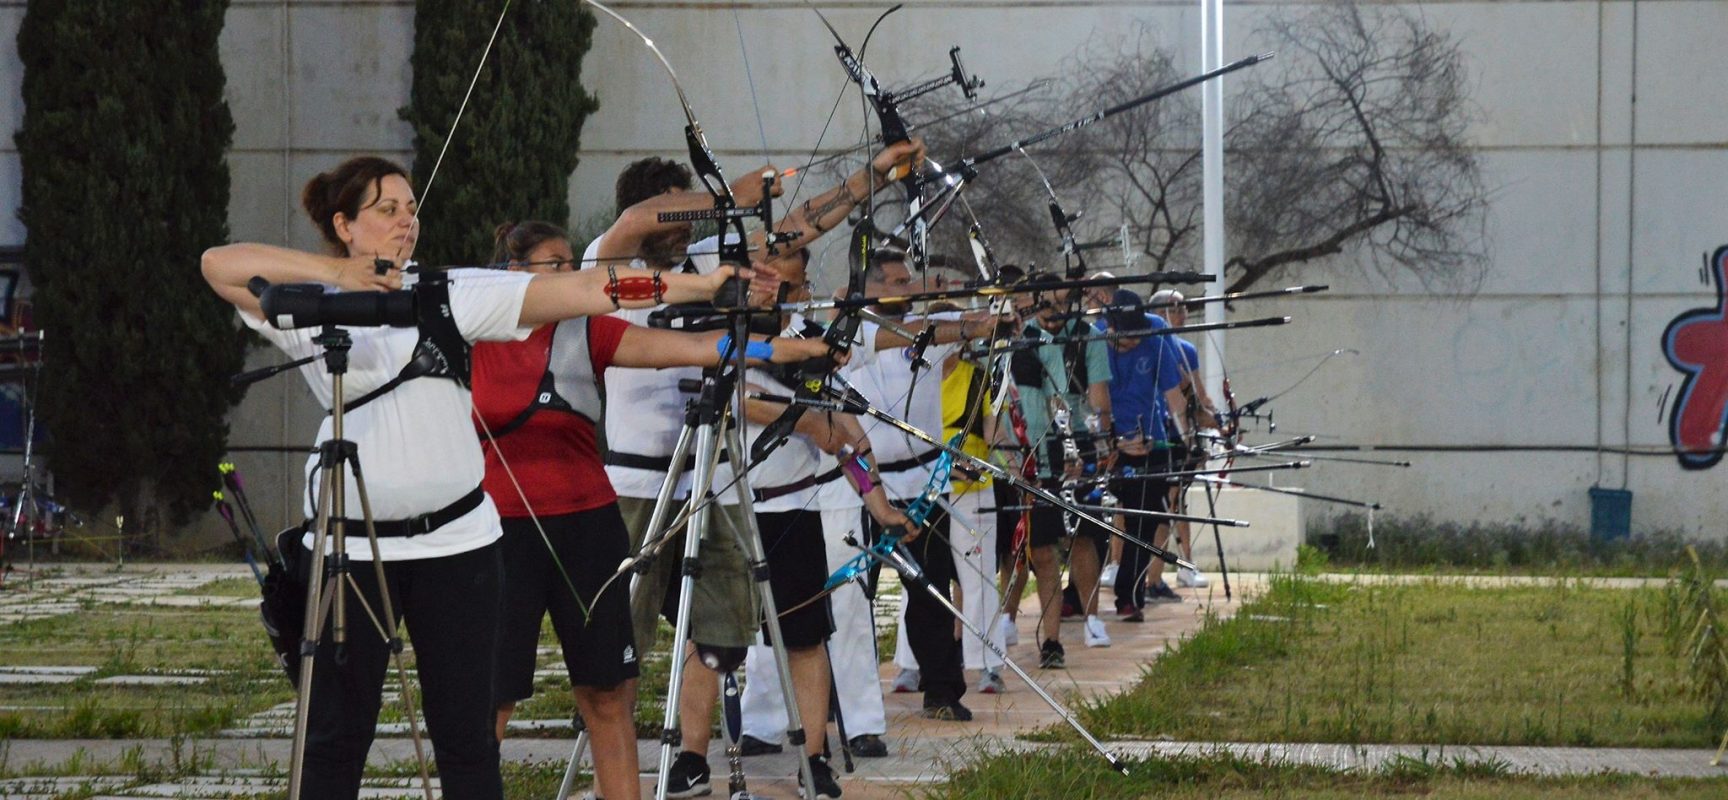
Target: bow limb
1071, 255
733, 244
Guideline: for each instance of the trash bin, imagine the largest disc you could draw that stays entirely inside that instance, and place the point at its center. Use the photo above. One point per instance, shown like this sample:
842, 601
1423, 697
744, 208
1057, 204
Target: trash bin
1610, 513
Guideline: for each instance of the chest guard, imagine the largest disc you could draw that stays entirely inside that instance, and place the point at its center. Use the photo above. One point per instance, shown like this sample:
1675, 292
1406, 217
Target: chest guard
569, 385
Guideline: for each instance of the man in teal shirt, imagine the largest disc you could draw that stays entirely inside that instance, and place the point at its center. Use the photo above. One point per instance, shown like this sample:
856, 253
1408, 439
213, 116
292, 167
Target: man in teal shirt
1073, 375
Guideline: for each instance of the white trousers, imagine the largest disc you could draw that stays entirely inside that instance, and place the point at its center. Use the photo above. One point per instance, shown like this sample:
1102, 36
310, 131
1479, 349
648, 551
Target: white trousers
851, 651
972, 538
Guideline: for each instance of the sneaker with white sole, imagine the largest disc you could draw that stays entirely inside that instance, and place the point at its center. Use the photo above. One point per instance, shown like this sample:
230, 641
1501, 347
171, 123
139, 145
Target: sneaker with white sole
1010, 632
1108, 576
827, 788
689, 776
1191, 578
906, 682
990, 682
1095, 633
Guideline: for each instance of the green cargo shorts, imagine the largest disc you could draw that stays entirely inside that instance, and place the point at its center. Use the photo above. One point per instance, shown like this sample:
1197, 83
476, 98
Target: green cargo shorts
724, 611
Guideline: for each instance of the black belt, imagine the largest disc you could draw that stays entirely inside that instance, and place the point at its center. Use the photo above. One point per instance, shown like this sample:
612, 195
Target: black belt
424, 523
616, 458
907, 463
764, 495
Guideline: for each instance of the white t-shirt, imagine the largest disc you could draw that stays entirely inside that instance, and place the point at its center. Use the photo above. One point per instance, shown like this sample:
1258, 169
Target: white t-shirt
645, 408
885, 381
416, 444
797, 458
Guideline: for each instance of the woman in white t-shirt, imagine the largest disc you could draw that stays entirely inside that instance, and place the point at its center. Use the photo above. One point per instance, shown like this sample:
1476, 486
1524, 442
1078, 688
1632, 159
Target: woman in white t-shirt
422, 465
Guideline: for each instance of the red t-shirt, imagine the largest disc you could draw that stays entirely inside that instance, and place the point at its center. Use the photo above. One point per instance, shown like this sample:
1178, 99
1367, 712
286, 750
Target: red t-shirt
554, 455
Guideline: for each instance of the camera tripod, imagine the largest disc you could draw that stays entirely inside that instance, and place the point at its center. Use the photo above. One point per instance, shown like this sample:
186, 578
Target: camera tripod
329, 577
28, 511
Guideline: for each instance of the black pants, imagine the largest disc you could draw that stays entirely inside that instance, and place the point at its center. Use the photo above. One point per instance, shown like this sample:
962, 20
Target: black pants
1144, 495
929, 626
451, 605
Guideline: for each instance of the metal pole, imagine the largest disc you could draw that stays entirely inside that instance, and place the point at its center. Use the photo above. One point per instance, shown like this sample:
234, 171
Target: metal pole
1212, 182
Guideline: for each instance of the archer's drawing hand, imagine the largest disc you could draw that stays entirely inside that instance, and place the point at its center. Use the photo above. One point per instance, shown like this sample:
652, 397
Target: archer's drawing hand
360, 274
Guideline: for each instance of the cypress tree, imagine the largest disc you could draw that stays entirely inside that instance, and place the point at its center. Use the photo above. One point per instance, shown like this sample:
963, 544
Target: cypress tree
513, 153
124, 185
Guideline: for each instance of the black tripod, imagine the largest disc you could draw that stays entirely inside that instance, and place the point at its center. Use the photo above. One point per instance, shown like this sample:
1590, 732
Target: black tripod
329, 574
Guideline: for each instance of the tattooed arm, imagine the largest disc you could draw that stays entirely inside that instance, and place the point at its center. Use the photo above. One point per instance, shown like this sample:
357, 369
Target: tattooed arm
825, 211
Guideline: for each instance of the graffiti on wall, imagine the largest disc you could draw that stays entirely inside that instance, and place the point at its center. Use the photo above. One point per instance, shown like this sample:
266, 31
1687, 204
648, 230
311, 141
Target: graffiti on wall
1696, 343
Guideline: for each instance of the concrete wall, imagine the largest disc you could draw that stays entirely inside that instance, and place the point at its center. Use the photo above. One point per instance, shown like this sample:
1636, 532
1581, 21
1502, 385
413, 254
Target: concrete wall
1600, 209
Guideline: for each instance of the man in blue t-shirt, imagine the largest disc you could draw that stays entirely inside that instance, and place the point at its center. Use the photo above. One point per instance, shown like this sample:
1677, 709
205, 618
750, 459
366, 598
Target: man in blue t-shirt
1169, 306
1147, 404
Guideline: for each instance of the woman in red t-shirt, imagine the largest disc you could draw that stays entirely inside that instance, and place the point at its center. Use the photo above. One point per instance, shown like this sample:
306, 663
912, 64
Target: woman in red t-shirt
537, 402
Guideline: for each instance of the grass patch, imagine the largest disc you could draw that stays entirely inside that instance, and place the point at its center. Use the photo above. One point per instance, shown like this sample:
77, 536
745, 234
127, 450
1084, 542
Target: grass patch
1428, 663
1421, 544
123, 638
1073, 773
246, 587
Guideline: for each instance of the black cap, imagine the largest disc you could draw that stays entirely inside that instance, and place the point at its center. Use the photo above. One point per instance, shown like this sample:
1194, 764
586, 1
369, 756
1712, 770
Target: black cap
1132, 319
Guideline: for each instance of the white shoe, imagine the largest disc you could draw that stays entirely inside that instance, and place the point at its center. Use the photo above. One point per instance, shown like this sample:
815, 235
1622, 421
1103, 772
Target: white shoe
905, 682
1108, 576
1191, 578
1010, 633
1095, 633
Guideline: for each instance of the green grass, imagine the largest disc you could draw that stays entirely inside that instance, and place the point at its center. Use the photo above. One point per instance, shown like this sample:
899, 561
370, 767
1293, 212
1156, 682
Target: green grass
1428, 663
1424, 545
1073, 774
246, 587
140, 638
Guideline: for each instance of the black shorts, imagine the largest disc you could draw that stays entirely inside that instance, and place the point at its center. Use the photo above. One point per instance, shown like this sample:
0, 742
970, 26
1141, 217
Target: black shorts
797, 570
599, 645
1006, 495
1047, 528
1146, 494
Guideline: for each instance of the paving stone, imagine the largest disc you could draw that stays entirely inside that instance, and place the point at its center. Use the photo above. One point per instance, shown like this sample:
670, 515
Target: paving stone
47, 670
25, 679
153, 680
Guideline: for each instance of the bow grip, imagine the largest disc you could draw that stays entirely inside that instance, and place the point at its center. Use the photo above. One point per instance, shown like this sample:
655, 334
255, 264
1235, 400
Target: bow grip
733, 294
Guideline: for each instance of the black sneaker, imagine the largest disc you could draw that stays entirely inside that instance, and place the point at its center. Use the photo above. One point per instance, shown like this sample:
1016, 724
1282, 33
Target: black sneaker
1161, 592
826, 787
688, 777
1051, 655
751, 746
867, 745
949, 711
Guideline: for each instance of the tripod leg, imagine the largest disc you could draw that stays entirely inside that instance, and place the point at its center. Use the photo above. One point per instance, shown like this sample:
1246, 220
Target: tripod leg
388, 628
751, 541
670, 734
570, 771
1217, 539
311, 632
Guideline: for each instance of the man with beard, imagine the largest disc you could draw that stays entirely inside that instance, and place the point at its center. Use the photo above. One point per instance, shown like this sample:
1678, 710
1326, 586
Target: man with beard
888, 383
